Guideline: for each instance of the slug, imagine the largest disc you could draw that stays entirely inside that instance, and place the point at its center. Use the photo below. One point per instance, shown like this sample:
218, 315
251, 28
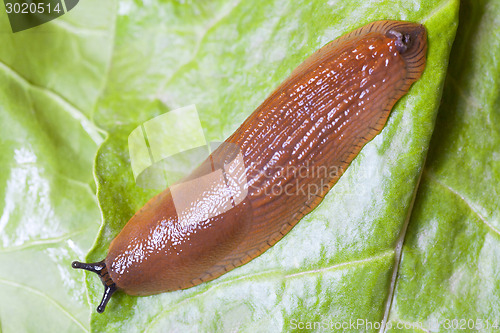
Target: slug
276, 167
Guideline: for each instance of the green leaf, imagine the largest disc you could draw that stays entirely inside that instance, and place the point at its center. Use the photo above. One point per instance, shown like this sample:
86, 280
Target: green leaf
226, 57
450, 267
50, 79
67, 84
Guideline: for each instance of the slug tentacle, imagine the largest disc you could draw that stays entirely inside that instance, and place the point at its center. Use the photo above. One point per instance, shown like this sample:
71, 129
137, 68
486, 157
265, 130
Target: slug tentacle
100, 269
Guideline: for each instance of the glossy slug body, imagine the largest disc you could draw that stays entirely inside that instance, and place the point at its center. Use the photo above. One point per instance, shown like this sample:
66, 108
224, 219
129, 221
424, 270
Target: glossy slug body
289, 153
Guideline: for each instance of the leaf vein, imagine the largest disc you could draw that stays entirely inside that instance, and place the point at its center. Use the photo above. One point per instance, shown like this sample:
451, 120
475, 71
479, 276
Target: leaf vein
163, 313
437, 10
49, 299
468, 204
92, 130
40, 242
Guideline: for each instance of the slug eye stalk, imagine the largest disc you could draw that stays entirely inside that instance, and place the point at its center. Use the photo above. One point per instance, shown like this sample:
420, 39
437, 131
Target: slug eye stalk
100, 269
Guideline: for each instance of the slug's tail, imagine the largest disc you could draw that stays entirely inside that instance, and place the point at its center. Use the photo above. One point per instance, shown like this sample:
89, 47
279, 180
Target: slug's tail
100, 269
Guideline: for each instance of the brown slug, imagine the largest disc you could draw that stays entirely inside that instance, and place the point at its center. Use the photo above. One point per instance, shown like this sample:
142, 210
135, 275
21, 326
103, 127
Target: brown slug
274, 169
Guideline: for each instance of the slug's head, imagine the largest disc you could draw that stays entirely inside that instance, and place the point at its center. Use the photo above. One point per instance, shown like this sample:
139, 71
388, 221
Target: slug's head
410, 40
100, 269
408, 37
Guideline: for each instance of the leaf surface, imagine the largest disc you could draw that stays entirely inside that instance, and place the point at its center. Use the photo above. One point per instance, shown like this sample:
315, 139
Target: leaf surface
226, 57
50, 80
450, 268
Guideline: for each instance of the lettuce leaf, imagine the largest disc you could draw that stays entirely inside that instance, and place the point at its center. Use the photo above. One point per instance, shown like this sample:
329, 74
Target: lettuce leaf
409, 235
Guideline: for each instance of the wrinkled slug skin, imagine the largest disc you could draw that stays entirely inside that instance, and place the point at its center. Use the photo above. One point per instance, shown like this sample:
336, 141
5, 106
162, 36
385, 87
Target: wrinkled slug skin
295, 146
